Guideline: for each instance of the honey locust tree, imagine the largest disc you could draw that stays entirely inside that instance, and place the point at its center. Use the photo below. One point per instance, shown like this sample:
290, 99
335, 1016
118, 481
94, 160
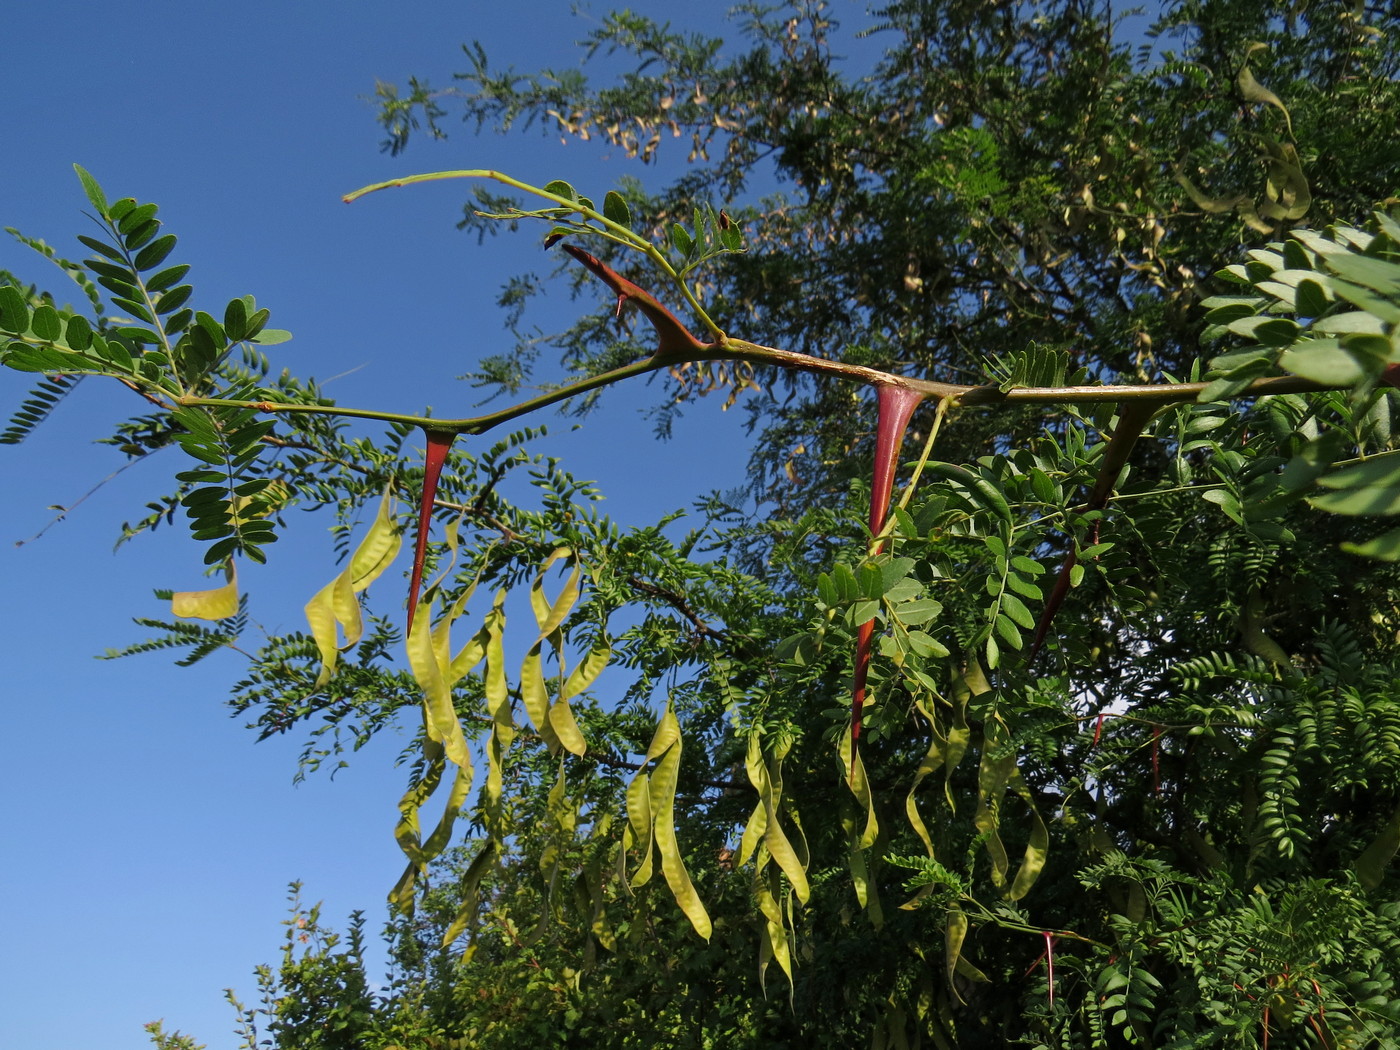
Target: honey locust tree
1088, 740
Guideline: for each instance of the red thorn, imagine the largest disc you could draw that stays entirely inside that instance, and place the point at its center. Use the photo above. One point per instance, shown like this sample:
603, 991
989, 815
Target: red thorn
896, 407
434, 456
1132, 418
1052, 604
673, 337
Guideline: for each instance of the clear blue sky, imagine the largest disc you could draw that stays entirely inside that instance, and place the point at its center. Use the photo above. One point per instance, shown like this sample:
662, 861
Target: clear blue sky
148, 841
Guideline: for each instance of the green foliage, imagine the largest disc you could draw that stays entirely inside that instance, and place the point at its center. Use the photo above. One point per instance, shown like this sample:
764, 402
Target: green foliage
164, 350
163, 1040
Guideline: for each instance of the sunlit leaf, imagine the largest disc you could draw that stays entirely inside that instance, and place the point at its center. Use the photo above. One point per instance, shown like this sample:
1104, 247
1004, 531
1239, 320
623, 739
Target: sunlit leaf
216, 604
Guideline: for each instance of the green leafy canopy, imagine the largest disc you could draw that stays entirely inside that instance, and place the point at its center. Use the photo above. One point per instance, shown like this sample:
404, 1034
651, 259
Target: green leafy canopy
1071, 374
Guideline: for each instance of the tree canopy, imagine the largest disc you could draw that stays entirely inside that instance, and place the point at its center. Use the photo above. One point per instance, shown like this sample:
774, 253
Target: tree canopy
1089, 740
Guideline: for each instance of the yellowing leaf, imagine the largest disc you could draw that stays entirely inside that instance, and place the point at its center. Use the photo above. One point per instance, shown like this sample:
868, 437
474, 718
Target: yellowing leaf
498, 707
638, 835
335, 605
955, 932
932, 760
1253, 91
993, 775
663, 797
406, 832
439, 712
478, 868
774, 945
587, 672
860, 787
651, 801
767, 779
556, 724
216, 604
565, 728
1037, 844
753, 833
534, 692
442, 834
551, 615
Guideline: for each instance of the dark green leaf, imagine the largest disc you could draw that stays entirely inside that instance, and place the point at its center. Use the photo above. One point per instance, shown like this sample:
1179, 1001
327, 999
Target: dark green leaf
212, 329
79, 333
1310, 300
136, 216
174, 299
141, 236
14, 311
120, 208
615, 209
177, 322
560, 188
1295, 256
1228, 311
235, 320
46, 324
256, 320
1278, 331
681, 238
134, 308
121, 289
166, 278
154, 253
116, 272
102, 248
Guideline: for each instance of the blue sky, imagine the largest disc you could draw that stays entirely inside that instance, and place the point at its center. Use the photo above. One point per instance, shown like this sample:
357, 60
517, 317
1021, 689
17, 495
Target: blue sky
148, 842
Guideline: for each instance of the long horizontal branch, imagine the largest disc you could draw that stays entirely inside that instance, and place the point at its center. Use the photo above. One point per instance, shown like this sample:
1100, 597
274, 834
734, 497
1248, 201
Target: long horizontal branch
741, 350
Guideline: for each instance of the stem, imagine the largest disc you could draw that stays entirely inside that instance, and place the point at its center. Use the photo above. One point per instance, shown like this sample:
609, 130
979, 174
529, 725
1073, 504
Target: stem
615, 230
741, 350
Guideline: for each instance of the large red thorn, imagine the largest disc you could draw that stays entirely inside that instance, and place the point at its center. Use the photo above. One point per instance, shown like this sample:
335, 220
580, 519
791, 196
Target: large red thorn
1133, 417
434, 456
896, 407
673, 337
